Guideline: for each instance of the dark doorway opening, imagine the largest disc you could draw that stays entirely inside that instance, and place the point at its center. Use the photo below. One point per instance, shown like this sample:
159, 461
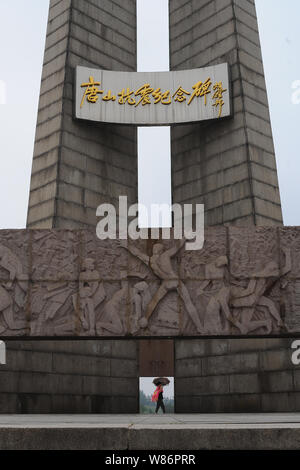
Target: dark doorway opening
156, 359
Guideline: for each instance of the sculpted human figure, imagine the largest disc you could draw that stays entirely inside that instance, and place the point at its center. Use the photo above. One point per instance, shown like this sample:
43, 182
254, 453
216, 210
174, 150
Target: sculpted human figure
256, 296
216, 274
126, 299
91, 294
141, 297
7, 310
47, 306
50, 305
110, 319
11, 263
161, 265
225, 296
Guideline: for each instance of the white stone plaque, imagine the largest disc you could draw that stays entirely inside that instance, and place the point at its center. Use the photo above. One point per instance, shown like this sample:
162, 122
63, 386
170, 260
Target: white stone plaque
153, 98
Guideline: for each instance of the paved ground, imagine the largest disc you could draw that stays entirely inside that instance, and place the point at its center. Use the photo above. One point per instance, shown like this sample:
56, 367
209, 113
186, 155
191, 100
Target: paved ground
163, 432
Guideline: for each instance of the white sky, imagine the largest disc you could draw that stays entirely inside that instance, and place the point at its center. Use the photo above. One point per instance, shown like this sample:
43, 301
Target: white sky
154, 143
22, 36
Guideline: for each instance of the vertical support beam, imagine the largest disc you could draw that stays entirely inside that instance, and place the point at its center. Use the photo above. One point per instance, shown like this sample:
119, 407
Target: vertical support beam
230, 165
77, 166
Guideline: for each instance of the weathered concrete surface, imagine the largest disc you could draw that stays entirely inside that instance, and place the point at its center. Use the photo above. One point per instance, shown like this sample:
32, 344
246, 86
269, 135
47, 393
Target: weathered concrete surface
70, 377
76, 167
245, 281
230, 167
236, 375
140, 432
102, 375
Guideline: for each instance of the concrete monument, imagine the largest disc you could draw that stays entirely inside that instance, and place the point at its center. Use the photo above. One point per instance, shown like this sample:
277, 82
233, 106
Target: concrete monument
67, 283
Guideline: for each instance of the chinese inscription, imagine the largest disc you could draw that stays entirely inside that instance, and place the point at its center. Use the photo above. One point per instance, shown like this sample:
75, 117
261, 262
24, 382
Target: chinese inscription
147, 95
152, 98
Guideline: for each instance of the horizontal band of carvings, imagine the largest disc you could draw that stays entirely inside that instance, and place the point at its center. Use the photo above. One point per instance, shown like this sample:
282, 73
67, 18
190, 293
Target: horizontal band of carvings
244, 281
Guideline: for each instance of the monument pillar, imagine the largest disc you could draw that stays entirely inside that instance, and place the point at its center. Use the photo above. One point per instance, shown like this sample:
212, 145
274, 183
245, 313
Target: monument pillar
77, 166
230, 165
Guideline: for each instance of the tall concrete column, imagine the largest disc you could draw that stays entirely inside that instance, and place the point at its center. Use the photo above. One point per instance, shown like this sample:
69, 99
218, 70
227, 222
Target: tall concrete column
228, 165
77, 166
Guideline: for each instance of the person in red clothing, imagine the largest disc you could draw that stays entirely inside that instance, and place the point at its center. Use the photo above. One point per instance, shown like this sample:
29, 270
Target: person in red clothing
160, 400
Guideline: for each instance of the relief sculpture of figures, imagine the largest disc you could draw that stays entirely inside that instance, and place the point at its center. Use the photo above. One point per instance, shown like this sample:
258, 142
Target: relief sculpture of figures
91, 294
225, 303
217, 315
228, 296
112, 319
13, 293
51, 308
256, 296
140, 298
160, 264
62, 283
55, 276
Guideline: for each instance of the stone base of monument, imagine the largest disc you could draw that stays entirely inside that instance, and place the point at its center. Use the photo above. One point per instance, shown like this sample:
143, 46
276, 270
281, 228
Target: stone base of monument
264, 431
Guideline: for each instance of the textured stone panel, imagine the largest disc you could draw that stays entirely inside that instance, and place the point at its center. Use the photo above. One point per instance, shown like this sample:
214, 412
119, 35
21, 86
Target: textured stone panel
55, 255
244, 281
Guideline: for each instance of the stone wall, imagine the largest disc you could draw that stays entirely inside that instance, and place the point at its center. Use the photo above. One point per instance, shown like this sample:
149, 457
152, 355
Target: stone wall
236, 375
230, 165
101, 376
70, 377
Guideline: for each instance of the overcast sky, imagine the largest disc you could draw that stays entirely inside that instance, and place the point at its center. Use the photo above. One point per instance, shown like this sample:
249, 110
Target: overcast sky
22, 37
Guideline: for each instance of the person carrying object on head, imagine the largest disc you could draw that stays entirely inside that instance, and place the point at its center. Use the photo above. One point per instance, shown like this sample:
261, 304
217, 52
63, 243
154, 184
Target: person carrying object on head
159, 398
